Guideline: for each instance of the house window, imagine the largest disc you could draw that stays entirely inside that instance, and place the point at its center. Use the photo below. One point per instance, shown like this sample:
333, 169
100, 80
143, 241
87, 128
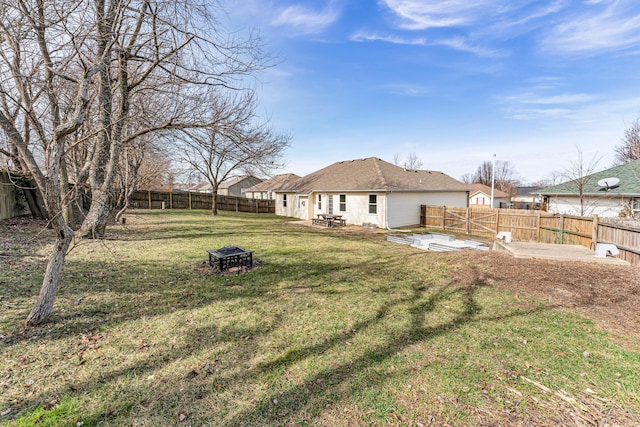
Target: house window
319, 202
373, 203
635, 208
284, 200
343, 203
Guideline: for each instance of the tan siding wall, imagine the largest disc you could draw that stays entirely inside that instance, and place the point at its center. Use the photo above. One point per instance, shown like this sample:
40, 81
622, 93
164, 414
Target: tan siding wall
404, 208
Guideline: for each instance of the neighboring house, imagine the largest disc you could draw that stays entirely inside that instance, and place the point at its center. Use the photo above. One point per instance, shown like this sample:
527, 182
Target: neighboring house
265, 189
480, 195
237, 186
527, 198
612, 192
369, 191
203, 187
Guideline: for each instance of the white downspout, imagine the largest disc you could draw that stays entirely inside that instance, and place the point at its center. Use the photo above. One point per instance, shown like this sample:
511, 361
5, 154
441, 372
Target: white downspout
386, 215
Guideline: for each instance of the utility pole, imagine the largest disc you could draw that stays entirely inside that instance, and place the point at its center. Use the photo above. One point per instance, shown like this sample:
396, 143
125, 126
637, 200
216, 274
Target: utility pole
493, 176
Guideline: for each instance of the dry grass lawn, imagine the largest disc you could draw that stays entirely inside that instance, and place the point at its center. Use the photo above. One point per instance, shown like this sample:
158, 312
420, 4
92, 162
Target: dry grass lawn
336, 328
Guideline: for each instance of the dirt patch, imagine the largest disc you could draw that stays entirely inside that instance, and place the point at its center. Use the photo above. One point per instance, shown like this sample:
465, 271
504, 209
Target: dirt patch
607, 294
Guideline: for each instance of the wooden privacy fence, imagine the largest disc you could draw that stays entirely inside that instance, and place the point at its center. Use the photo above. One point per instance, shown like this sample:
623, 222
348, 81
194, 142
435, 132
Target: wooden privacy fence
19, 196
535, 226
190, 200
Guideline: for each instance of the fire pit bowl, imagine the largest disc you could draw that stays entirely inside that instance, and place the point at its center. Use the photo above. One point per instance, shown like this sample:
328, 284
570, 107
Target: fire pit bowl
229, 257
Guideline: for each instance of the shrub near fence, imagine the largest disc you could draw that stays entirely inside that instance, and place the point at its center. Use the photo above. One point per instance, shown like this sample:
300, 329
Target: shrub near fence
535, 226
190, 200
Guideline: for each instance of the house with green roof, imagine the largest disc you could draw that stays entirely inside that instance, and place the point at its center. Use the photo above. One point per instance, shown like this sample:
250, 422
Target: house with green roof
613, 192
369, 191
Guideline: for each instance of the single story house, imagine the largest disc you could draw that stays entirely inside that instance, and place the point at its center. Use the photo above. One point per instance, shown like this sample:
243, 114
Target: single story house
237, 186
369, 191
265, 189
527, 197
613, 192
480, 195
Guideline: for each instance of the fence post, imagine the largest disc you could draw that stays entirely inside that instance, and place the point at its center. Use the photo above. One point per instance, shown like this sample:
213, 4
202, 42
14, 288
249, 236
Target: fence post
444, 217
468, 220
497, 221
149, 198
171, 200
561, 229
539, 226
594, 232
189, 199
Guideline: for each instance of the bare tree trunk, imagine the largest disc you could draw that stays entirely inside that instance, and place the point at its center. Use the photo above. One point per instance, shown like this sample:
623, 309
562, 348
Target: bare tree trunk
95, 223
214, 203
44, 304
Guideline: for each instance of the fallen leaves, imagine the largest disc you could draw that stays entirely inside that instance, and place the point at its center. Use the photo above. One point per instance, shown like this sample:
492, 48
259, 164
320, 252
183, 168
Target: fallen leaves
50, 405
192, 374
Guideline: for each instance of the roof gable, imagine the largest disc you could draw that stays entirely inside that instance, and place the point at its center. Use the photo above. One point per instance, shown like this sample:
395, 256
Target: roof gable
373, 174
237, 179
485, 189
274, 183
628, 174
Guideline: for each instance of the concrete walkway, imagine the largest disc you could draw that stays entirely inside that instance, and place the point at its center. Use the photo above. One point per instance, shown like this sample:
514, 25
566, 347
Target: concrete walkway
554, 252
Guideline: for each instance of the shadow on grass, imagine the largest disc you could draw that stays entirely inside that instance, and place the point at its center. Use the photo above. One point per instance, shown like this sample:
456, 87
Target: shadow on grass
312, 396
308, 398
111, 300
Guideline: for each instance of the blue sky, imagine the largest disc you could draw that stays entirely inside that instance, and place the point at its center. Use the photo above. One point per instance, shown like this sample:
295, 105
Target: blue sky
453, 81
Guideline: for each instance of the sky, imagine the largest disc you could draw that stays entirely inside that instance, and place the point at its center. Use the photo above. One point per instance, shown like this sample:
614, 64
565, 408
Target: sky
453, 81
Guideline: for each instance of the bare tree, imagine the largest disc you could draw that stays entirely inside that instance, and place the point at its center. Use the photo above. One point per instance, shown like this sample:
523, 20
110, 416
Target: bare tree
75, 73
468, 178
156, 50
142, 165
411, 161
504, 176
37, 118
629, 148
579, 173
235, 142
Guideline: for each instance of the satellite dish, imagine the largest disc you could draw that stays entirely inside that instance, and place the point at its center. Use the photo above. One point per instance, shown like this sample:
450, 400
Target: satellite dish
607, 183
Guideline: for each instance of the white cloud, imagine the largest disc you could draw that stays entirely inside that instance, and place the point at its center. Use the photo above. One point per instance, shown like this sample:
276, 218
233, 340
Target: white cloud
602, 27
462, 44
407, 90
563, 99
518, 23
306, 20
363, 36
457, 43
420, 15
544, 102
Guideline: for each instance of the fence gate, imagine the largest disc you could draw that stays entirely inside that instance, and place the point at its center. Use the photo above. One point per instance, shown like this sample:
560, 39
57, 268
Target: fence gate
456, 220
482, 223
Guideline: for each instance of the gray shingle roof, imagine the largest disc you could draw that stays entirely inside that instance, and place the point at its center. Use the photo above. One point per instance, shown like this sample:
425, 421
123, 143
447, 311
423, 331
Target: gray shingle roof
628, 174
274, 183
236, 179
476, 188
372, 174
525, 191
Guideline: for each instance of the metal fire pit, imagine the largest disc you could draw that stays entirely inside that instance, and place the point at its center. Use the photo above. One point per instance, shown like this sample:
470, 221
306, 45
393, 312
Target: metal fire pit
229, 257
